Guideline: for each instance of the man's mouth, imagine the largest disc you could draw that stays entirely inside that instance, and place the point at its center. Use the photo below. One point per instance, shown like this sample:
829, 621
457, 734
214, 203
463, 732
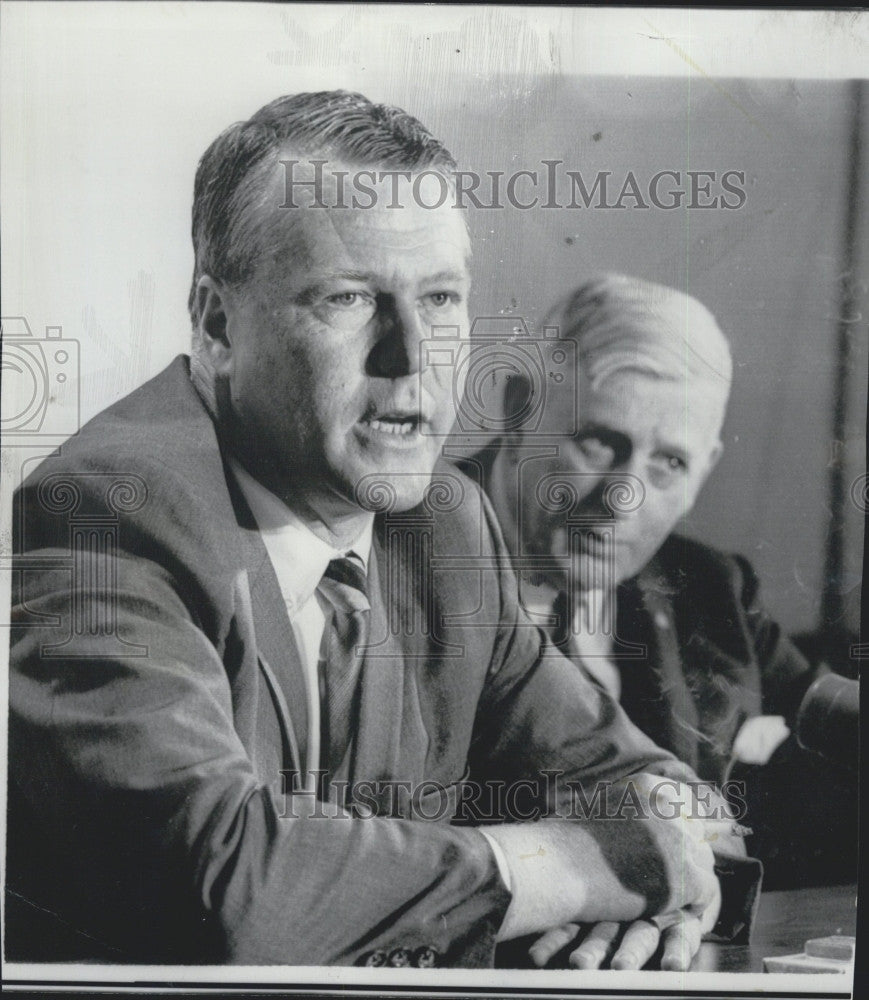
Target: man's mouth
594, 542
399, 424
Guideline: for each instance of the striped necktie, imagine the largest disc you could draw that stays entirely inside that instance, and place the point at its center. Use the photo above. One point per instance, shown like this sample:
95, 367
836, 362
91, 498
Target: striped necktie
344, 585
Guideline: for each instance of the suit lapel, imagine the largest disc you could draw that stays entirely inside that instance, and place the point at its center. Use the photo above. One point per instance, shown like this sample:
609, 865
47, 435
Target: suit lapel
276, 644
279, 657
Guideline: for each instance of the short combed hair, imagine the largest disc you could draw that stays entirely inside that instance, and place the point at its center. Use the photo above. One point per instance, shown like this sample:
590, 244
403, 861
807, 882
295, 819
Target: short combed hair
330, 124
618, 321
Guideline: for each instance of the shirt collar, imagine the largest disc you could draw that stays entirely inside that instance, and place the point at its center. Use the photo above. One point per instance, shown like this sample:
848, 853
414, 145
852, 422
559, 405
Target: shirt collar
299, 557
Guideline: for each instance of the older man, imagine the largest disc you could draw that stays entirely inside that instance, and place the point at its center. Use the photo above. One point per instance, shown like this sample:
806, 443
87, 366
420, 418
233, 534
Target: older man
670, 627
240, 602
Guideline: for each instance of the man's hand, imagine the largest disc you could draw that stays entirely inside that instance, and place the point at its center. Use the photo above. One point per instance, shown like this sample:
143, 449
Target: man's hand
624, 946
630, 946
615, 869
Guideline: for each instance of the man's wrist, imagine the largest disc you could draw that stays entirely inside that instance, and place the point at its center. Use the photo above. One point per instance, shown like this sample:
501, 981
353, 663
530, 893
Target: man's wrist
501, 860
545, 881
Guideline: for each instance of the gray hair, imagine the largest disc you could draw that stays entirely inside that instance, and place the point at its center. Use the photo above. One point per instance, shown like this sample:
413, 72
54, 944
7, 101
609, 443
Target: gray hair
339, 124
620, 322
623, 323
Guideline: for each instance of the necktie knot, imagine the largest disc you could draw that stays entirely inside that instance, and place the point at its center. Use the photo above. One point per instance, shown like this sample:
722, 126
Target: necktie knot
345, 584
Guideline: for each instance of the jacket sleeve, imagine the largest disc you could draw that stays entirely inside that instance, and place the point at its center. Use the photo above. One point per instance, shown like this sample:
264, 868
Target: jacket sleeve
144, 826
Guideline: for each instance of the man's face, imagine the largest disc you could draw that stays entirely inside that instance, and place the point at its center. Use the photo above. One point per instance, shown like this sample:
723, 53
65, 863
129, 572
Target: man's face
663, 432
324, 367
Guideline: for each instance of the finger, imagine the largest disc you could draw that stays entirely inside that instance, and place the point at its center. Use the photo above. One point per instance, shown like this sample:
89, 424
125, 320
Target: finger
692, 881
551, 943
596, 946
709, 916
759, 737
638, 945
681, 942
707, 903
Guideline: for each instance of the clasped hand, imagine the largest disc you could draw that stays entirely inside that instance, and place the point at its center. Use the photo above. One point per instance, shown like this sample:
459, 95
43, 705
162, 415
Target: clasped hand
678, 930
619, 886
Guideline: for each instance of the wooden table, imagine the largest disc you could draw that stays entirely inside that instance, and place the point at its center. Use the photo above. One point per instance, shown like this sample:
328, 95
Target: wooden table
785, 921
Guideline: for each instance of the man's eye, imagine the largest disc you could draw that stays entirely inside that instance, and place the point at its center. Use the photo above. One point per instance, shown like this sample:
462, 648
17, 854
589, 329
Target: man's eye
670, 465
597, 452
346, 300
441, 299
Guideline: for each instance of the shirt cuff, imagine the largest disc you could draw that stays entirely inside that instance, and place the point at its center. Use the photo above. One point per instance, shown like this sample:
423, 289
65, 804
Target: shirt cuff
501, 860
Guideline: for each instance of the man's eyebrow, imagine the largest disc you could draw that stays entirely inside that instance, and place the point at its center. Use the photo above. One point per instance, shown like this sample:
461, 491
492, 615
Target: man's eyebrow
592, 427
320, 284
349, 275
451, 274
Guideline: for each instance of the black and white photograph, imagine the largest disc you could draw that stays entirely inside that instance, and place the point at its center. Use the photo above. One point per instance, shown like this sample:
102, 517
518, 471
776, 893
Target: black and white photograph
433, 498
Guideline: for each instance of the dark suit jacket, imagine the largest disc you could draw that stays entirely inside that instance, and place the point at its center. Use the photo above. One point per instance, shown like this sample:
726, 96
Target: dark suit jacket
697, 652
156, 697
714, 656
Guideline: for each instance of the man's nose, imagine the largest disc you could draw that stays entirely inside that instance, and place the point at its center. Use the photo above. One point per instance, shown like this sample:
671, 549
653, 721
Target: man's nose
593, 505
399, 335
614, 494
624, 489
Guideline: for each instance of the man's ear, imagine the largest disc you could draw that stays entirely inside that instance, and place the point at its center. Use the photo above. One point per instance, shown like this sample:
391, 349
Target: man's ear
213, 324
711, 461
714, 456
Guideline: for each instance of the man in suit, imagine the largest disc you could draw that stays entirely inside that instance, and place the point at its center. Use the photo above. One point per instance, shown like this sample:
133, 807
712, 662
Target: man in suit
245, 619
672, 628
